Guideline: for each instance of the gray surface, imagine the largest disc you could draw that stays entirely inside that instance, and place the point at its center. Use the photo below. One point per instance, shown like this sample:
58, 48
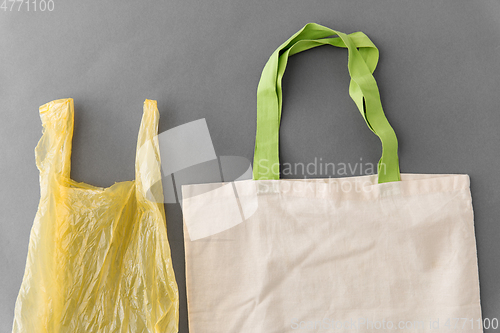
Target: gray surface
439, 77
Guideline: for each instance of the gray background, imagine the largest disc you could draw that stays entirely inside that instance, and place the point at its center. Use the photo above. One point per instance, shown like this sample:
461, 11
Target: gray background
439, 77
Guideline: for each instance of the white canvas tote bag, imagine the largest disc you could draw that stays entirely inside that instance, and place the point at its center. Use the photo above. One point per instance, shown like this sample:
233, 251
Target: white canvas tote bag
378, 252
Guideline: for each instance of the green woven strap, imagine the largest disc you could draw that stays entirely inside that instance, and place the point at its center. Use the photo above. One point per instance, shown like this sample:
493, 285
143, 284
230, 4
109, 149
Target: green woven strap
362, 61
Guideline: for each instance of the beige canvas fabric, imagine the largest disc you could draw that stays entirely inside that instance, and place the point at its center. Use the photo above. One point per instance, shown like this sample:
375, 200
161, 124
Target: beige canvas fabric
325, 255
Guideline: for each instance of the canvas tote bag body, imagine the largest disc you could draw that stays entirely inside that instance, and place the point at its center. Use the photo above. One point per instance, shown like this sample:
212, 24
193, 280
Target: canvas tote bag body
368, 253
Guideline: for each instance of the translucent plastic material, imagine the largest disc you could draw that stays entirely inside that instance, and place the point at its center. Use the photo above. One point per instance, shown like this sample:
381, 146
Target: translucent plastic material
98, 259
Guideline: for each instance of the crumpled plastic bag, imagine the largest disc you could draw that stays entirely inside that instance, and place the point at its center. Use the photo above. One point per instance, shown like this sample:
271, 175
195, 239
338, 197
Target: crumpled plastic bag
98, 258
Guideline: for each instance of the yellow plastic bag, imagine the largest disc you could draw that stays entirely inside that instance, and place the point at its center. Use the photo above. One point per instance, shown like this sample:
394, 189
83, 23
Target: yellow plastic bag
98, 259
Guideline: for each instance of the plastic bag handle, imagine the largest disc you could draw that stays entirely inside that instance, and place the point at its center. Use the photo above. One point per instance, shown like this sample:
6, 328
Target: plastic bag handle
148, 161
362, 89
53, 151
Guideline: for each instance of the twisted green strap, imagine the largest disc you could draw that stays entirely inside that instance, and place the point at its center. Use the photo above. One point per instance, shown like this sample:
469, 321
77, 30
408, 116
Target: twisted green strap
362, 89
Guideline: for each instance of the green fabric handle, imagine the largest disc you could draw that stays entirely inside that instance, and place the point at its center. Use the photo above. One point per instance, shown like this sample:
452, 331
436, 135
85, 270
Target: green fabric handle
362, 61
